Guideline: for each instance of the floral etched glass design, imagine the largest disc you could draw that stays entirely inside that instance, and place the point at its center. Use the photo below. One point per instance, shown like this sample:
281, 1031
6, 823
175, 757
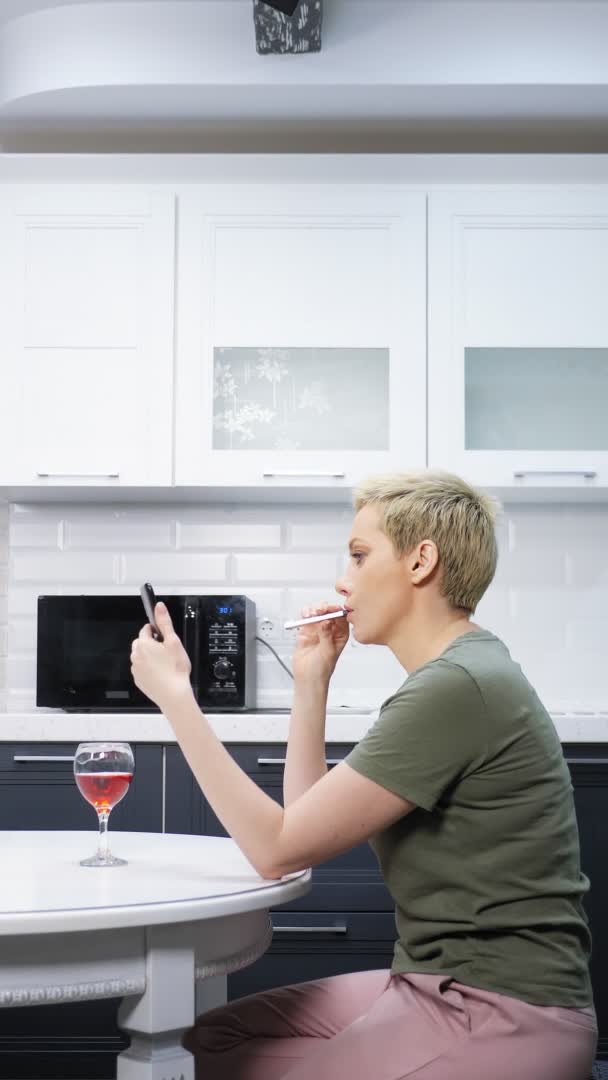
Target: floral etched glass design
536, 399
300, 399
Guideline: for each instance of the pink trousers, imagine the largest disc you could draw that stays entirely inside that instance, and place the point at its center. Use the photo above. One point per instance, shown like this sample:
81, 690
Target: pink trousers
372, 1025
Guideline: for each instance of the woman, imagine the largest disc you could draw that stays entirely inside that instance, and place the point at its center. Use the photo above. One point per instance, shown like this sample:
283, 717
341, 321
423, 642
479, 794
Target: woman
463, 791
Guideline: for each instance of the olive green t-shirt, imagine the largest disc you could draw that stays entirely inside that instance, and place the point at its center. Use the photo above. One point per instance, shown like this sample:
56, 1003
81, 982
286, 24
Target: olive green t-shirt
485, 872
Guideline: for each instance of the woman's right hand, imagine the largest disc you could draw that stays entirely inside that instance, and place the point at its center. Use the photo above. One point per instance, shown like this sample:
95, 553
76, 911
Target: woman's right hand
318, 645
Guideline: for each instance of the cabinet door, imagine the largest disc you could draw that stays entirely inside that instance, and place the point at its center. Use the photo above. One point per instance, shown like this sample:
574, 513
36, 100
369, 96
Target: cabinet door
87, 336
38, 791
301, 334
589, 770
314, 946
351, 881
518, 336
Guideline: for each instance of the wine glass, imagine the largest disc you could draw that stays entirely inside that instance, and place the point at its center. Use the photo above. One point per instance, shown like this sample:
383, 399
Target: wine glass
103, 772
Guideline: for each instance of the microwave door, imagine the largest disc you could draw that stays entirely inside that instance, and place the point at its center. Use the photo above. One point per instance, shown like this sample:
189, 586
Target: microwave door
83, 658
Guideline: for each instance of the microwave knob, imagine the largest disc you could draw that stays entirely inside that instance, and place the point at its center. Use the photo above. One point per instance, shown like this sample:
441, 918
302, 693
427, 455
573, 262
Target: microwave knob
223, 669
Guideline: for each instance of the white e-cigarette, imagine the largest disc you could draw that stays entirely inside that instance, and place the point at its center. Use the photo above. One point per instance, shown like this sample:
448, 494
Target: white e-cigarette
314, 618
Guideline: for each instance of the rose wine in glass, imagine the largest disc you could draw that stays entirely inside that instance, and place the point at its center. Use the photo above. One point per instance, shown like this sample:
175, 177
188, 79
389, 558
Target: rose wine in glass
103, 772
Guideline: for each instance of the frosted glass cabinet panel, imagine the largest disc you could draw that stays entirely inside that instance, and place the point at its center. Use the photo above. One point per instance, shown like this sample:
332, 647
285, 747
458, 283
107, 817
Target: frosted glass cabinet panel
518, 336
300, 399
301, 354
86, 379
536, 399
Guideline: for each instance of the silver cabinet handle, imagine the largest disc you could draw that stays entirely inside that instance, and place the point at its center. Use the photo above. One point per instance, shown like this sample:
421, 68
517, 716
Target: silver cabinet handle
112, 475
41, 757
303, 472
282, 761
589, 474
587, 761
341, 928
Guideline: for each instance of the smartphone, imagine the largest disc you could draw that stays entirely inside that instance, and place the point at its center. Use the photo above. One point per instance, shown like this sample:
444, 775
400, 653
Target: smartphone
149, 600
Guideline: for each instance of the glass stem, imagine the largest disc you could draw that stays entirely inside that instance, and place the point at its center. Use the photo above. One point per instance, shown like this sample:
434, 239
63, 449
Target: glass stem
103, 832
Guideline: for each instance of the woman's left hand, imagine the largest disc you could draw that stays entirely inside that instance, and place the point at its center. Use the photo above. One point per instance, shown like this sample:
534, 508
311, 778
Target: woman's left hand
161, 670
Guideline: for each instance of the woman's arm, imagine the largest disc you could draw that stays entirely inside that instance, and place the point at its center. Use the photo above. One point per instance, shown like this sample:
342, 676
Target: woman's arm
305, 760
339, 811
318, 647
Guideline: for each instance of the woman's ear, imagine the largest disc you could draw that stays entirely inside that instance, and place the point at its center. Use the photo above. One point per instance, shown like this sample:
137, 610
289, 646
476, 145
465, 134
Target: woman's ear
423, 560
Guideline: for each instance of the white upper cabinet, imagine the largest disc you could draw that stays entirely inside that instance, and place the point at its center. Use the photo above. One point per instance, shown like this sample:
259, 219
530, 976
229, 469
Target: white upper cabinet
86, 379
300, 334
518, 336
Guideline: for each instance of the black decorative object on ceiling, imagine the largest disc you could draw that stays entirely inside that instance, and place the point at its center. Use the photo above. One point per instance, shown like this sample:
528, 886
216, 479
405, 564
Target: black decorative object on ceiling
282, 26
286, 6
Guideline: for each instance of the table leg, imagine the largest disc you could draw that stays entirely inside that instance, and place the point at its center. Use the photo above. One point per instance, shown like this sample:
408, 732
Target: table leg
158, 1018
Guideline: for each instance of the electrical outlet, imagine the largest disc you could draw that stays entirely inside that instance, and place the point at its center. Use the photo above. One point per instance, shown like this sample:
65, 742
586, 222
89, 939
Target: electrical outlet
266, 627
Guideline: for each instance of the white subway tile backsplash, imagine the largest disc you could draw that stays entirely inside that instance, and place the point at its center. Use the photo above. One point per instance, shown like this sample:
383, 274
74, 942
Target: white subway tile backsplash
588, 567
313, 595
588, 634
165, 571
23, 601
3, 689
21, 671
558, 605
228, 535
118, 535
534, 566
48, 567
22, 635
549, 600
39, 534
20, 701
494, 611
319, 534
562, 528
270, 674
284, 568
362, 667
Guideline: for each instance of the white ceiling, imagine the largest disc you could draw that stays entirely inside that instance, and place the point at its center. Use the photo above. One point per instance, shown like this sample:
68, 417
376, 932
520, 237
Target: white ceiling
386, 68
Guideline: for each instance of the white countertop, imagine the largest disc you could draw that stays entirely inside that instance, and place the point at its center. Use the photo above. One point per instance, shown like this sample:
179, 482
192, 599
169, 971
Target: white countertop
342, 726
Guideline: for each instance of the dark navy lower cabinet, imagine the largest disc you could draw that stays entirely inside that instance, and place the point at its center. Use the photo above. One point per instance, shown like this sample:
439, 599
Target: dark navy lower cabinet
345, 923
588, 763
314, 945
37, 791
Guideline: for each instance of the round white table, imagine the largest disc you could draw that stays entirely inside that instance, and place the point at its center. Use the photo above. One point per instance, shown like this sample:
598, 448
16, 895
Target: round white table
184, 908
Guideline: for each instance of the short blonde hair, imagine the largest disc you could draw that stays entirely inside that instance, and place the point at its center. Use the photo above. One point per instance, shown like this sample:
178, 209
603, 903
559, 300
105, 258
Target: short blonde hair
438, 506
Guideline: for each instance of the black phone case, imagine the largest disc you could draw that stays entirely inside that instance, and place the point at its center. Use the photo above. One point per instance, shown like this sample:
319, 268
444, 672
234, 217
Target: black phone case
149, 600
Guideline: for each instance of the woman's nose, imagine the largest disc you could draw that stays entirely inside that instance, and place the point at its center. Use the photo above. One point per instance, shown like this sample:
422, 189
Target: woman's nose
342, 587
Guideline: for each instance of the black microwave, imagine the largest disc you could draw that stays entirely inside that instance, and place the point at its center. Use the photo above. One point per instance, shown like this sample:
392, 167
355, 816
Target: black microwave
84, 645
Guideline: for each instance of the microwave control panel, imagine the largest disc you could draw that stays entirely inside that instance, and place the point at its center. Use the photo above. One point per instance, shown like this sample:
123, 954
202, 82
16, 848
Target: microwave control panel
226, 650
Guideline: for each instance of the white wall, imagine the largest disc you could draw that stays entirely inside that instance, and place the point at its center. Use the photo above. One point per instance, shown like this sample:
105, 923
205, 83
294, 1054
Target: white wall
3, 599
549, 601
